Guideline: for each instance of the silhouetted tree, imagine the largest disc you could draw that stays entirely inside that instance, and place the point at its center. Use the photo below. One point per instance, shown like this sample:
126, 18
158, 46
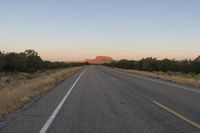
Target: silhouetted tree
29, 61
2, 61
153, 64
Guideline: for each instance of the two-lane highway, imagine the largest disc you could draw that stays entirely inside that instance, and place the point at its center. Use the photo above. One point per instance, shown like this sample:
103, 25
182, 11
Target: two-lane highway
101, 100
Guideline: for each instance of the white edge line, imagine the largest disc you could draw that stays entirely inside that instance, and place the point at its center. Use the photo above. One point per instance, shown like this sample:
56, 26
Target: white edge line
177, 114
169, 84
53, 115
161, 81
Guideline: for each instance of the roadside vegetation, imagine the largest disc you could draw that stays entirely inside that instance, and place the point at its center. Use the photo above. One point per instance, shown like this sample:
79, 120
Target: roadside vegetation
187, 79
183, 71
16, 89
29, 61
24, 76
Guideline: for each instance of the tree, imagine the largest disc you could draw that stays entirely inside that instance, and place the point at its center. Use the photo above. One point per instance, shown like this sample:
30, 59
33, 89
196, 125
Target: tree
30, 53
195, 65
150, 64
29, 61
153, 64
2, 61
34, 62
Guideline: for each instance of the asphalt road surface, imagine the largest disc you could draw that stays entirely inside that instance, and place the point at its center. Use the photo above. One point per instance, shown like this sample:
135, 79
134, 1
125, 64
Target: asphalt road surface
102, 100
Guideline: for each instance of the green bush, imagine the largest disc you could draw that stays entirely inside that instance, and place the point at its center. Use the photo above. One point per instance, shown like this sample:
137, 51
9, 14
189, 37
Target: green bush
165, 65
28, 61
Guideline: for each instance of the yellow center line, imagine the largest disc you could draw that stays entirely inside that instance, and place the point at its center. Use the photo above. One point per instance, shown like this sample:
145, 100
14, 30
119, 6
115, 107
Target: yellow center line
177, 114
168, 110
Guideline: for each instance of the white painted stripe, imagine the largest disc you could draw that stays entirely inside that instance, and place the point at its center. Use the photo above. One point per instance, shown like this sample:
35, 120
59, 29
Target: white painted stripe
177, 114
53, 115
169, 84
160, 81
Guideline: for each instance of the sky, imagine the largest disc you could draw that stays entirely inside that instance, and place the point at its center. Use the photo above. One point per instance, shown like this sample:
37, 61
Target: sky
72, 30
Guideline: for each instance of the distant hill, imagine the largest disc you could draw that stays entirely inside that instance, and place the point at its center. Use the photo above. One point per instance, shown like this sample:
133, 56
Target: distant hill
100, 60
74, 61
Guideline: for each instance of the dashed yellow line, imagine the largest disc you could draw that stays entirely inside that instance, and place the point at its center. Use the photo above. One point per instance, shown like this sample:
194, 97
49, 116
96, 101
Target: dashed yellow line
194, 124
177, 114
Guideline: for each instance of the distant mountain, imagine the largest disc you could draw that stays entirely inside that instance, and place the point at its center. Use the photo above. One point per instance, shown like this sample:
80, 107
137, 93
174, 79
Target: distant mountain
74, 61
100, 60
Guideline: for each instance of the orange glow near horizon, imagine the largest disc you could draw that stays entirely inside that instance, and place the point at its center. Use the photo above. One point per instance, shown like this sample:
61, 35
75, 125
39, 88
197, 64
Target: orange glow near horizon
81, 55
75, 31
77, 57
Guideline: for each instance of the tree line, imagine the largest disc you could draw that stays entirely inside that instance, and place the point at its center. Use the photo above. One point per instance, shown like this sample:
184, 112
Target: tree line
28, 61
153, 64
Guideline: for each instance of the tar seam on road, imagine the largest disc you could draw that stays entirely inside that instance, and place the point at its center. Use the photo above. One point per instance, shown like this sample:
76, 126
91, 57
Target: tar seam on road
53, 115
113, 78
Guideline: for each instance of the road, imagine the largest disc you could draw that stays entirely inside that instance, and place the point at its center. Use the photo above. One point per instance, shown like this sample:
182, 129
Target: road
102, 100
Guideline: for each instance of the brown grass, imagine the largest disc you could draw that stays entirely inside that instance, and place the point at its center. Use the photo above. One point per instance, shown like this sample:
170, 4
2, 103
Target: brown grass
187, 79
18, 89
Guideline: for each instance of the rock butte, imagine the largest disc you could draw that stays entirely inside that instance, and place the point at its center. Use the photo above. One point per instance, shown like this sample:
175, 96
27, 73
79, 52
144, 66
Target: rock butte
100, 60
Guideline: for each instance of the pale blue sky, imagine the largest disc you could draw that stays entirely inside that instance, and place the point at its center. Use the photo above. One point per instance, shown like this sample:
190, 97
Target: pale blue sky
75, 30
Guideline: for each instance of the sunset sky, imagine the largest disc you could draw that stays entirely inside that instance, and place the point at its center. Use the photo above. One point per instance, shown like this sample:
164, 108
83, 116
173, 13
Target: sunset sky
72, 30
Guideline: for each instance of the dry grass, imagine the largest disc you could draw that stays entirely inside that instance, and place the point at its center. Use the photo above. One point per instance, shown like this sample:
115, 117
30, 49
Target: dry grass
187, 79
18, 89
